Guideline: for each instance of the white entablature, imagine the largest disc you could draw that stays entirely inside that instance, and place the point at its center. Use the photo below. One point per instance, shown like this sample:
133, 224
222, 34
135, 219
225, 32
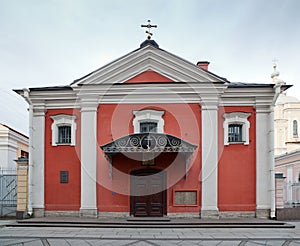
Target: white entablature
144, 59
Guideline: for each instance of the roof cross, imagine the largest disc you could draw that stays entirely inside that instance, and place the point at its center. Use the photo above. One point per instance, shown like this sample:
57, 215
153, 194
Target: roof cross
149, 26
275, 60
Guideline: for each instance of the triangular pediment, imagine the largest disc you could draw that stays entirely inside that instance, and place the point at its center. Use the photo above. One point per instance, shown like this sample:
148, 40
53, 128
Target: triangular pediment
145, 61
149, 76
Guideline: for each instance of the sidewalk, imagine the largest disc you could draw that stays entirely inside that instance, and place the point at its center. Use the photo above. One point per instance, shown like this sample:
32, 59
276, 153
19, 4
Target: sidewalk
4, 222
151, 222
149, 236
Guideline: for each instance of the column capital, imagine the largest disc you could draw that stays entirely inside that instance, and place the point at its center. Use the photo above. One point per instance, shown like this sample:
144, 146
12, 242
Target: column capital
262, 108
210, 102
39, 110
209, 106
89, 104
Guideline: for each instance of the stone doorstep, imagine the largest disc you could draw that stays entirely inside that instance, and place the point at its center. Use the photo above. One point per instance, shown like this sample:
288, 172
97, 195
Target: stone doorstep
149, 219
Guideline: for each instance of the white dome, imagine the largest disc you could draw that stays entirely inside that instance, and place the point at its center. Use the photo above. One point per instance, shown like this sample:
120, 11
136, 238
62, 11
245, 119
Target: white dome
283, 98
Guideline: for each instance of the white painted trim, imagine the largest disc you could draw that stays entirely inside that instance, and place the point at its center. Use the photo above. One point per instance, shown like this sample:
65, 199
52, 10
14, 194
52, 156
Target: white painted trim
263, 159
151, 93
148, 58
209, 174
237, 118
148, 115
63, 120
37, 167
88, 156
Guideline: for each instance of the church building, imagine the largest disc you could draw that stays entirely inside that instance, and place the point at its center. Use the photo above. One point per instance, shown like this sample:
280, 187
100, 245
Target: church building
152, 135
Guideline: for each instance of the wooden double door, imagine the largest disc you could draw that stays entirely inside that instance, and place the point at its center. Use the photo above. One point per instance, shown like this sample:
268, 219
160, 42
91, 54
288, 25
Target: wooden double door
148, 193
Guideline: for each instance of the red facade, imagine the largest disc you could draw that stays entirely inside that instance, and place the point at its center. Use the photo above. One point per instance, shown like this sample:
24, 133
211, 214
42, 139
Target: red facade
236, 165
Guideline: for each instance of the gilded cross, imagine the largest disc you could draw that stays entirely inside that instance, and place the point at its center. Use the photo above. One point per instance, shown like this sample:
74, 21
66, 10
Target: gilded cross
149, 26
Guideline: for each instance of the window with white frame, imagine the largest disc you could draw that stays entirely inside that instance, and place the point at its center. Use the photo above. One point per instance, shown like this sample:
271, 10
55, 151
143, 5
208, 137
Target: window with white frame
148, 120
236, 128
148, 127
295, 128
63, 130
235, 133
64, 135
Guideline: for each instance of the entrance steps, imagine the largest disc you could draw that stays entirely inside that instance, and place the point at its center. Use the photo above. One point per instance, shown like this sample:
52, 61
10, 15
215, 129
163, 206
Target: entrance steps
150, 223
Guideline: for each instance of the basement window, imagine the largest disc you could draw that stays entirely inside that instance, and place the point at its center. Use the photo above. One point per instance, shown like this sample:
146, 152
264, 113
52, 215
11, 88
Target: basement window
64, 177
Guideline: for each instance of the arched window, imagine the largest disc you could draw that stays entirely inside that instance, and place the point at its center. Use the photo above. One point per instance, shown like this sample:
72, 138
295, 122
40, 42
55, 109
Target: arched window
295, 129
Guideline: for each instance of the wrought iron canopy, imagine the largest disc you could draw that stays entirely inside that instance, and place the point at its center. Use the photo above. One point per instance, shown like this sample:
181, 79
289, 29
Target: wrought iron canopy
148, 142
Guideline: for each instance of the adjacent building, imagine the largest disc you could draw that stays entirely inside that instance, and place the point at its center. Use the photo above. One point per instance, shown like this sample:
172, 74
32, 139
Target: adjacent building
287, 120
287, 146
13, 145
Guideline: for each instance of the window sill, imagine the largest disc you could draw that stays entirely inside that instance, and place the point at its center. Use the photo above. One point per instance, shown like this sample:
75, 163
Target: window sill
64, 144
229, 143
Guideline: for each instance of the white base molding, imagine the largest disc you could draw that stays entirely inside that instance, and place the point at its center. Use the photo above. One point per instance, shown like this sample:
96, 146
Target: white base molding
242, 214
262, 213
61, 213
38, 212
183, 215
113, 214
209, 214
88, 213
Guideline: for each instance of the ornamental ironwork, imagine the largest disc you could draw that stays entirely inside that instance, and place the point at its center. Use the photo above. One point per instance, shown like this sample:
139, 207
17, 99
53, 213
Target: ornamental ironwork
148, 142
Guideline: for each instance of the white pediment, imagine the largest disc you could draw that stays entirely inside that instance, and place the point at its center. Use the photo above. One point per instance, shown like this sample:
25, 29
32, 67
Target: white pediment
144, 59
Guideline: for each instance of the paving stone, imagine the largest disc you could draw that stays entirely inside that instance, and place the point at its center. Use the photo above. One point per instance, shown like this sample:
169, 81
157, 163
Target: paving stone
58, 242
165, 242
36, 242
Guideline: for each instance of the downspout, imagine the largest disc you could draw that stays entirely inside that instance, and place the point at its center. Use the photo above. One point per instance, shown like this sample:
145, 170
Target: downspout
277, 88
30, 164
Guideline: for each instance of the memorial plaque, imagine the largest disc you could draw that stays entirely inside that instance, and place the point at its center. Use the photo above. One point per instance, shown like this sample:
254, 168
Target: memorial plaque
185, 198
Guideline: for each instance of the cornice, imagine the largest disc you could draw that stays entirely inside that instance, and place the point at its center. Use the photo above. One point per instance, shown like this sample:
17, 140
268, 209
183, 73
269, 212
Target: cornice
144, 59
202, 92
287, 156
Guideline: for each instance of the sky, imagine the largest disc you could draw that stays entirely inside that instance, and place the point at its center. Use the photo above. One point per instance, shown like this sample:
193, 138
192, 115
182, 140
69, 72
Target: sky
53, 42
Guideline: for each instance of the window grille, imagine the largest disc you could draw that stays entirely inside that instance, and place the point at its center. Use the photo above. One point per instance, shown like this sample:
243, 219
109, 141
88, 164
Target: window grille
235, 133
148, 127
295, 129
64, 134
64, 177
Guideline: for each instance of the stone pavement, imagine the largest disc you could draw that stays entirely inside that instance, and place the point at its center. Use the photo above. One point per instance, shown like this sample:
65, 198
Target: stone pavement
148, 236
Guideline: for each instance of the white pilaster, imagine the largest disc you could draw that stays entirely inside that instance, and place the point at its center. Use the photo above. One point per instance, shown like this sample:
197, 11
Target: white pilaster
263, 161
209, 134
88, 158
37, 165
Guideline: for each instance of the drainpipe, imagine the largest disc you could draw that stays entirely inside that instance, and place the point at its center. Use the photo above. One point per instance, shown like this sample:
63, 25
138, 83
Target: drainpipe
30, 164
277, 88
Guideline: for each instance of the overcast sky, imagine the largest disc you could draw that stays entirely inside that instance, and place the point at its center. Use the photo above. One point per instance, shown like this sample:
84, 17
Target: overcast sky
53, 42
